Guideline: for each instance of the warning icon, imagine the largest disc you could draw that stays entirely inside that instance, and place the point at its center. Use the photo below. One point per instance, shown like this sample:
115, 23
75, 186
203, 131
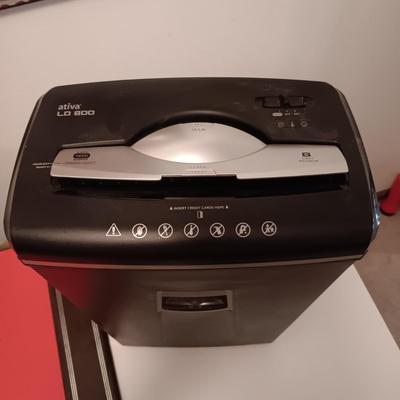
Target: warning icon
113, 231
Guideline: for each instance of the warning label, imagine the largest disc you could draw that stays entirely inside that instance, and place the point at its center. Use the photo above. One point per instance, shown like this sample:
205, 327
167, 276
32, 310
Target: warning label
113, 230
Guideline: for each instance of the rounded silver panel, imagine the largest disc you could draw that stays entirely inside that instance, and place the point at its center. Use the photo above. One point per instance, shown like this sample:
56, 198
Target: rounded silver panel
198, 142
273, 161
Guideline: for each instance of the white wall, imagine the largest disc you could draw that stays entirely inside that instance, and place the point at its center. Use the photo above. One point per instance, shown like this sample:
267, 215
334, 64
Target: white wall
355, 45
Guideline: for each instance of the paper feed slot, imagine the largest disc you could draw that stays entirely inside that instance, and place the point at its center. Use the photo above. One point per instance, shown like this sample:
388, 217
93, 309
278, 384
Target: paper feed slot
187, 187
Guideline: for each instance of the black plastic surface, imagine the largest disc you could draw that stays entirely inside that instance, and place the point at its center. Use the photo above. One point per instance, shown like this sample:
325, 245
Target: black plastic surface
46, 221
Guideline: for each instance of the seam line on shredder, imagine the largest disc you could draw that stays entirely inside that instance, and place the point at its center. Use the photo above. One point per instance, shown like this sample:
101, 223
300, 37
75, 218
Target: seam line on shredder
102, 361
67, 346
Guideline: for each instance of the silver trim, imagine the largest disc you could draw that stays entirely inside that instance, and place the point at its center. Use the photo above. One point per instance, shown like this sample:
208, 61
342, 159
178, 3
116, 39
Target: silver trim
67, 346
198, 142
189, 266
102, 361
125, 163
110, 142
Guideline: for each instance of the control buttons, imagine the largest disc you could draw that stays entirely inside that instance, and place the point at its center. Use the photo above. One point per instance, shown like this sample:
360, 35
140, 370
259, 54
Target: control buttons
272, 102
191, 230
165, 230
217, 230
296, 101
243, 229
285, 101
139, 231
269, 228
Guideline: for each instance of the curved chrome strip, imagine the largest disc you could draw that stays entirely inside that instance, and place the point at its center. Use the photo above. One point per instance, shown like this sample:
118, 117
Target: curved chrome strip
102, 361
126, 163
198, 142
187, 266
67, 346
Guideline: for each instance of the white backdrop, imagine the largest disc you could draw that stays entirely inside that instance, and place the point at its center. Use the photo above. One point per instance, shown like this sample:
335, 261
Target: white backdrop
354, 45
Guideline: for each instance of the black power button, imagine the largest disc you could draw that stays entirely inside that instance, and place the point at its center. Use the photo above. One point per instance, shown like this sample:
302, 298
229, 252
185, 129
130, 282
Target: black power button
272, 102
296, 101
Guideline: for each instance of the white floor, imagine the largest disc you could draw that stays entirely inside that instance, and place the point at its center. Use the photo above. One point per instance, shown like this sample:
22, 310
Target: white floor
380, 271
339, 349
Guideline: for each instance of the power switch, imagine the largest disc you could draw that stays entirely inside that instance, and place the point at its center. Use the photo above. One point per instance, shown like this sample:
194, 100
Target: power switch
272, 102
296, 101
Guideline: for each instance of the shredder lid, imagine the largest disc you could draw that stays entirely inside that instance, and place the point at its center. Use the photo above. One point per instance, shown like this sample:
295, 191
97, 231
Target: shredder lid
198, 149
198, 142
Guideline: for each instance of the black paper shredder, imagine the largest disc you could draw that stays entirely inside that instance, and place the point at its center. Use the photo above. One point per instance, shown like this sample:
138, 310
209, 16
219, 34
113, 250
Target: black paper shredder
192, 211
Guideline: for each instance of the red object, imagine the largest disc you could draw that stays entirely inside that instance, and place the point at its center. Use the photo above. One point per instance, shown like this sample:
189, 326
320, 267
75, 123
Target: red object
29, 365
392, 202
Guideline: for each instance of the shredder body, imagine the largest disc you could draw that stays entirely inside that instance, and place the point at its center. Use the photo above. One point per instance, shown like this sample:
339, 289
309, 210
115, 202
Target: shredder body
109, 204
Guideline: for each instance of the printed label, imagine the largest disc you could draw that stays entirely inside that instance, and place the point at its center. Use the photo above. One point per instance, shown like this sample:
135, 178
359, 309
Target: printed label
73, 110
